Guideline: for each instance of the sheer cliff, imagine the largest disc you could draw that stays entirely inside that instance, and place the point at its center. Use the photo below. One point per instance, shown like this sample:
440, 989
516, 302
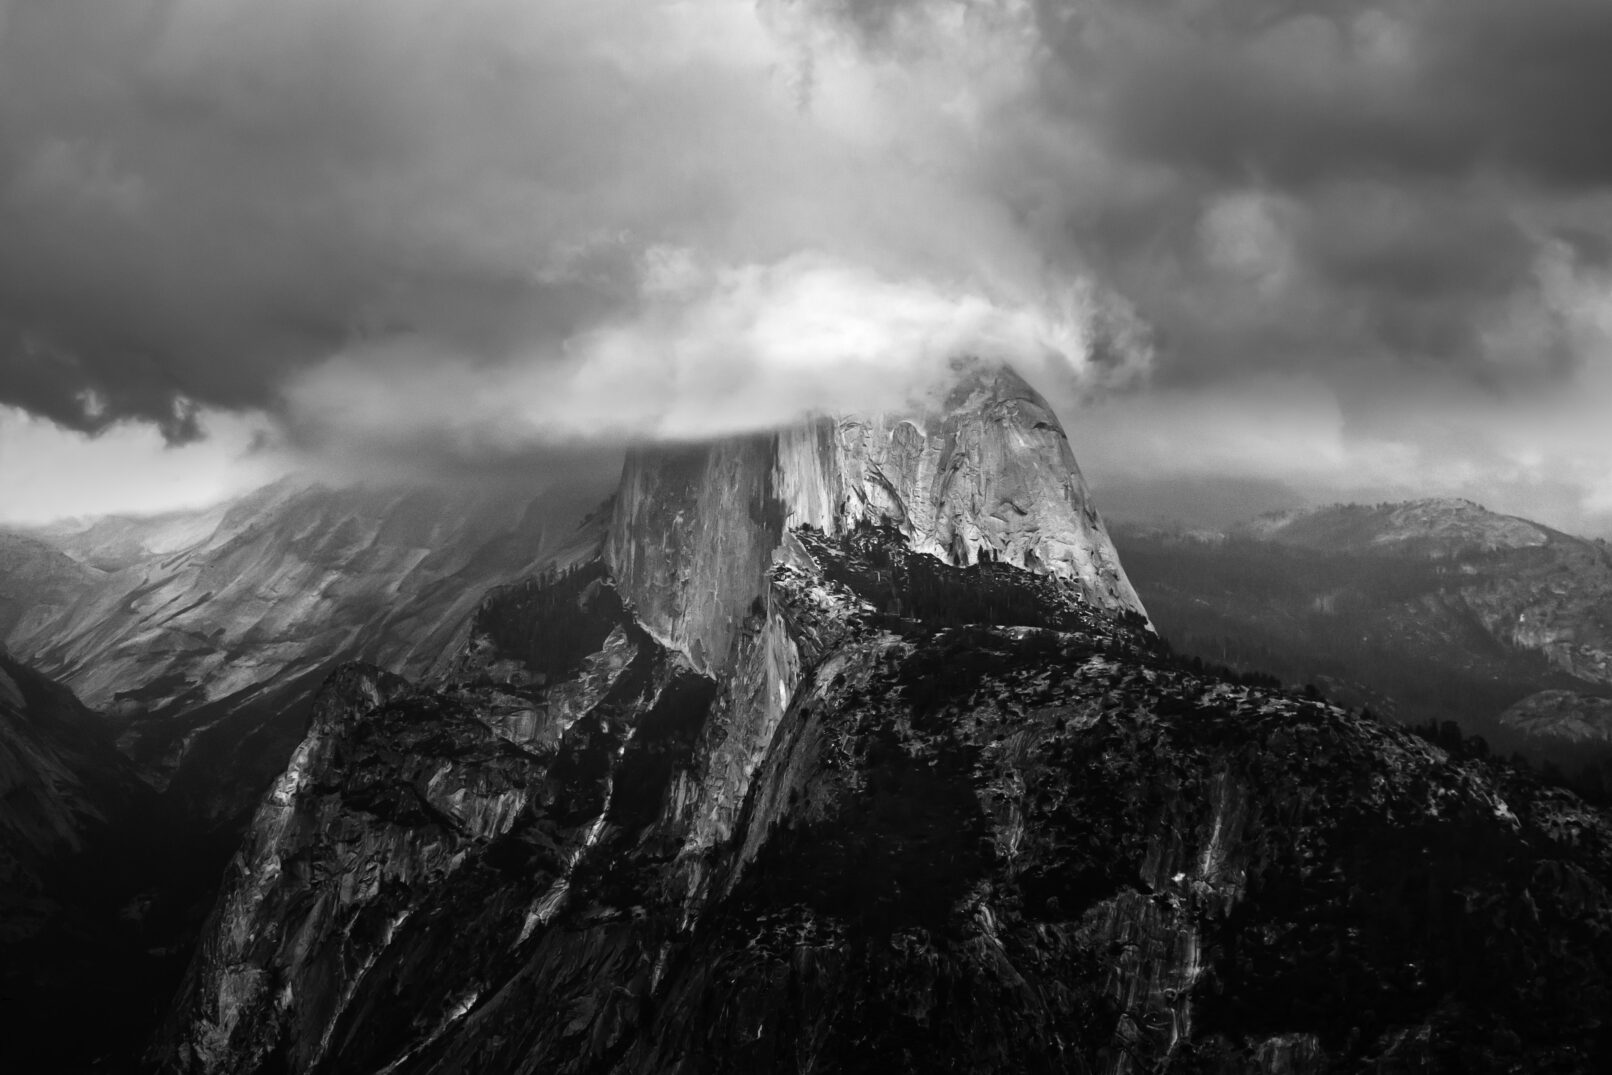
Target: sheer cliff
852, 751
983, 474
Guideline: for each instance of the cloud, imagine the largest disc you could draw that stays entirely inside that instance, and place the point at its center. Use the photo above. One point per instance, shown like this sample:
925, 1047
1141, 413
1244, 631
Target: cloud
712, 349
1307, 93
49, 473
244, 197
1412, 164
410, 230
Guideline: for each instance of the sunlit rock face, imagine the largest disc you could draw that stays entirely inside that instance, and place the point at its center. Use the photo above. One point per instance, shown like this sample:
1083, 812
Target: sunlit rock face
692, 537
984, 473
770, 786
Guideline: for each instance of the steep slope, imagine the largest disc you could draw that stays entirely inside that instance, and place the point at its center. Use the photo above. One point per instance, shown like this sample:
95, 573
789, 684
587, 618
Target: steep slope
1432, 610
205, 635
765, 790
113, 542
37, 582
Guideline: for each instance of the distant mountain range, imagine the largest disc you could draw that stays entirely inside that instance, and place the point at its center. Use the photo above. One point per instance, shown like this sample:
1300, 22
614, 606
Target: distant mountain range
1429, 610
202, 636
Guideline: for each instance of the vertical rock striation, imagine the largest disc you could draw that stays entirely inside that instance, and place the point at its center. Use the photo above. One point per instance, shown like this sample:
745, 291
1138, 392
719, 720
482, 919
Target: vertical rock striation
985, 473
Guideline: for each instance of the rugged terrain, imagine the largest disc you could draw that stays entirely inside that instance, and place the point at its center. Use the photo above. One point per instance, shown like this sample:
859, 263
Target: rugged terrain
799, 772
202, 636
1433, 610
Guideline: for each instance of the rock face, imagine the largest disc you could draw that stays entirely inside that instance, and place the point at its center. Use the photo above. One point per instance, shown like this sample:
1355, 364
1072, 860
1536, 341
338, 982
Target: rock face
203, 636
984, 474
987, 474
770, 787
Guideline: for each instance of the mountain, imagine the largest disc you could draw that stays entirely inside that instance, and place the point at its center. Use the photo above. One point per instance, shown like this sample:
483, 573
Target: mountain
1582, 720
849, 748
37, 581
987, 473
1433, 610
204, 635
1438, 528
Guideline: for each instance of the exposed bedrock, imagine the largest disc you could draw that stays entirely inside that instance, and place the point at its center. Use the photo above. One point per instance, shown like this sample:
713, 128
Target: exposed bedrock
985, 473
852, 752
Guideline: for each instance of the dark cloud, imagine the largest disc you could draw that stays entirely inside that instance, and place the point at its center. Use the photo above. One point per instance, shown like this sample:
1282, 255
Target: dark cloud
199, 204
1317, 185
1307, 93
409, 230
215, 203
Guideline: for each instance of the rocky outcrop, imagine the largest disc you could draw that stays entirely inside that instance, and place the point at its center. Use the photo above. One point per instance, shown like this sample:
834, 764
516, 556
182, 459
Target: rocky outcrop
917, 816
985, 474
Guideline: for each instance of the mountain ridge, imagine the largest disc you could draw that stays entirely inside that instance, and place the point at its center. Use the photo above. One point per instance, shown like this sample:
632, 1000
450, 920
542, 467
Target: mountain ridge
1372, 601
205, 635
761, 790
1436, 526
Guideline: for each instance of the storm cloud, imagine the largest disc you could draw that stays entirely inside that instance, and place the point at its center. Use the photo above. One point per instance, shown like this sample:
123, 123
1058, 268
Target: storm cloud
246, 205
1333, 183
471, 229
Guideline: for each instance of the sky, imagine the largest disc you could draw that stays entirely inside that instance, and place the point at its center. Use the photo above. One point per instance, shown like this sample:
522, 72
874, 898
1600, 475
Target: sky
1255, 253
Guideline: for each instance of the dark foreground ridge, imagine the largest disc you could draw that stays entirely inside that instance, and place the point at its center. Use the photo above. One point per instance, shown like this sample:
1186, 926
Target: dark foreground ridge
919, 817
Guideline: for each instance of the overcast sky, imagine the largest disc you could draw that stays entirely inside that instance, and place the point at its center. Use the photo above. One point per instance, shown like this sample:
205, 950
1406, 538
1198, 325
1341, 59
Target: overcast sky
1254, 252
